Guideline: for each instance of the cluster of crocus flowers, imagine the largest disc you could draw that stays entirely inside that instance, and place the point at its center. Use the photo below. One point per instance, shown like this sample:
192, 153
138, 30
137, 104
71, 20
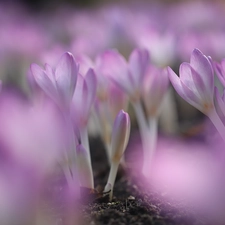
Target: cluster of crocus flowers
139, 79
49, 134
73, 94
66, 96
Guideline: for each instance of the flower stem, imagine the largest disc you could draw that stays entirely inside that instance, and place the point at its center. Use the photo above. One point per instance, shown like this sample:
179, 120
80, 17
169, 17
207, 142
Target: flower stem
85, 143
148, 136
213, 116
112, 178
151, 137
70, 154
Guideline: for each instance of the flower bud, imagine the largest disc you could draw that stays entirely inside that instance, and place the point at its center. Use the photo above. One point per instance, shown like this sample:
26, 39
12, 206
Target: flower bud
120, 135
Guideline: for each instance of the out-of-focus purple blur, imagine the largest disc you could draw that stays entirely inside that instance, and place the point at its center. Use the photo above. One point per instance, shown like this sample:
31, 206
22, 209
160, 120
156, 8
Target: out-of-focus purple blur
33, 132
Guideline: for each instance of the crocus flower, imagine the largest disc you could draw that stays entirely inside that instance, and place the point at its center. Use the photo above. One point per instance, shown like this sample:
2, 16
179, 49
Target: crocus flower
58, 84
196, 82
120, 137
196, 86
128, 76
155, 86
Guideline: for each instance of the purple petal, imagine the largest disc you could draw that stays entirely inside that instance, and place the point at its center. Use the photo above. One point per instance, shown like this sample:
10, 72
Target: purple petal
85, 63
43, 80
186, 75
78, 94
114, 66
155, 85
91, 82
201, 64
220, 71
50, 73
175, 80
117, 100
219, 100
182, 89
79, 106
191, 98
66, 76
138, 62
192, 80
122, 85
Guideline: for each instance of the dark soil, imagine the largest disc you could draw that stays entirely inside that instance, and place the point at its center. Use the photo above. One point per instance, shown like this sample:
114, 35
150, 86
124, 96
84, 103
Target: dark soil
132, 202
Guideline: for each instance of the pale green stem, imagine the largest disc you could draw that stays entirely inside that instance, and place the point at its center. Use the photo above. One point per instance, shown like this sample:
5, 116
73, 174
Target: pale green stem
85, 140
151, 141
107, 147
142, 123
85, 143
112, 178
108, 123
144, 132
213, 116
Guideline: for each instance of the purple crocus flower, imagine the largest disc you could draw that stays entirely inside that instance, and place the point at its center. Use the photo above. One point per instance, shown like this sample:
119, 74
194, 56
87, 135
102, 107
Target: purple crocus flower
58, 84
196, 86
128, 76
196, 82
155, 87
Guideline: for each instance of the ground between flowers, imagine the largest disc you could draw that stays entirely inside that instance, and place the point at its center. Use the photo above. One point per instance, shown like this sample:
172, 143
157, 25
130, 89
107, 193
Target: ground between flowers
132, 202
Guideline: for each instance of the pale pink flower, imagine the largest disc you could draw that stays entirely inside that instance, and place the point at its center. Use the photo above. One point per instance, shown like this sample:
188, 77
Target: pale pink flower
58, 84
196, 82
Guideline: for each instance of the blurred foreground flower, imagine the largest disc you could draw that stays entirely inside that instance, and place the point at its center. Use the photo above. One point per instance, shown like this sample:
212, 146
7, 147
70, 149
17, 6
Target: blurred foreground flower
32, 144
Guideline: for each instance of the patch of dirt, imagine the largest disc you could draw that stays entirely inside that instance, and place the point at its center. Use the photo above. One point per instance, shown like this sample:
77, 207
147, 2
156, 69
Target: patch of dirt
133, 203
